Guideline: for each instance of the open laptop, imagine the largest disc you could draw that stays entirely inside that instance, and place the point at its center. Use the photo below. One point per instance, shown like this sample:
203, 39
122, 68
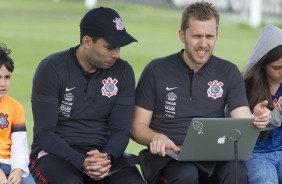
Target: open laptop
212, 139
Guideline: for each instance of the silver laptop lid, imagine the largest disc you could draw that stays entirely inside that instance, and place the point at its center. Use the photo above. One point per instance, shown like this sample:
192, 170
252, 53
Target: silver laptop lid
212, 139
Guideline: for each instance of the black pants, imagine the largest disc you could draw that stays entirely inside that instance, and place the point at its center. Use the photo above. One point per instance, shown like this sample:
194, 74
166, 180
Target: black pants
52, 170
187, 172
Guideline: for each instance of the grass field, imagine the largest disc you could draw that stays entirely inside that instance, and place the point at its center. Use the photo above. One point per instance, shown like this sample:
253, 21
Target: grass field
34, 29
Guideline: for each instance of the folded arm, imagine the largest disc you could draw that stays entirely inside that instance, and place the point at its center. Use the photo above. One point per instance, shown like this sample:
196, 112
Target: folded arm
45, 121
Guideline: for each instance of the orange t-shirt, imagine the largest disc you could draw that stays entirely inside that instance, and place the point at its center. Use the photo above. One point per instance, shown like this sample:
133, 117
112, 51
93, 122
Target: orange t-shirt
12, 119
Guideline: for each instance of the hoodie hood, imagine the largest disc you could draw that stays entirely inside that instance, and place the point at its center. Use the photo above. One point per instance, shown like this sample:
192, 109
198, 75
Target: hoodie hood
270, 37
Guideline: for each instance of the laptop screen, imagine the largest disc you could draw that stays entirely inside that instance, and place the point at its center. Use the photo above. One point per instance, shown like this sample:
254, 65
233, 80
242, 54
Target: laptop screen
213, 139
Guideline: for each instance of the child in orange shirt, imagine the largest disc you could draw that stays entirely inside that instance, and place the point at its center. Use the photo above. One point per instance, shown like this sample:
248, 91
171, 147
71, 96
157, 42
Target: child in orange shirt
13, 140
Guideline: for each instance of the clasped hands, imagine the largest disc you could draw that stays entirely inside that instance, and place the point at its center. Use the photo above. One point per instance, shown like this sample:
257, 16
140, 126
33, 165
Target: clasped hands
97, 165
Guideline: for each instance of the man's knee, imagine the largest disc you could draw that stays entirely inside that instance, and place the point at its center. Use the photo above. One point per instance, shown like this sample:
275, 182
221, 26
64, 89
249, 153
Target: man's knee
128, 174
229, 173
185, 173
241, 170
187, 177
50, 169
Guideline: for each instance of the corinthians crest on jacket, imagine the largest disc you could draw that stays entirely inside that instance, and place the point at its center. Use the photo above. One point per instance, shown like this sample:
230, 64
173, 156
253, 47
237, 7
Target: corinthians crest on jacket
109, 89
215, 91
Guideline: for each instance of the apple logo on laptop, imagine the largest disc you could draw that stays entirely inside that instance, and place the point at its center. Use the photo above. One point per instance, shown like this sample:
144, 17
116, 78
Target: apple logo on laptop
221, 140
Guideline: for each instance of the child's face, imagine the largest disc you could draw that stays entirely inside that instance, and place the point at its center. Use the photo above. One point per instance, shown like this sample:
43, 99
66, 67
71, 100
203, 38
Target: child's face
5, 79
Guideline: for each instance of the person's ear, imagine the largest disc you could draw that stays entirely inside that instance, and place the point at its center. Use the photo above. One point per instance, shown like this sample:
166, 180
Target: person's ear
86, 40
181, 35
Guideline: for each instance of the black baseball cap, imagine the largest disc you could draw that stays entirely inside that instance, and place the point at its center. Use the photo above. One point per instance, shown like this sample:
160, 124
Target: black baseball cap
106, 23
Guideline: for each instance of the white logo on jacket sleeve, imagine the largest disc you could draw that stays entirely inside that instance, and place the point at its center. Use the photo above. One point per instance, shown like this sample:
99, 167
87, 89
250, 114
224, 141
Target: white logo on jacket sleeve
215, 91
109, 89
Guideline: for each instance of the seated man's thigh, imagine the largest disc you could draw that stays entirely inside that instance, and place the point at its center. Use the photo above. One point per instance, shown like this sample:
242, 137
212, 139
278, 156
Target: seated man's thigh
225, 173
128, 174
51, 169
180, 172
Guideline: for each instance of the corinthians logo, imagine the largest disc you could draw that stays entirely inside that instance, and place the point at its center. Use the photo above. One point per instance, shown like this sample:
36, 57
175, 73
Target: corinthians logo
4, 120
215, 91
119, 23
109, 89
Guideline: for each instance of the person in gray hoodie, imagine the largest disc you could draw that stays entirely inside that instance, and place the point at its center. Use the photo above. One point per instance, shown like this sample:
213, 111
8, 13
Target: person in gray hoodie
263, 81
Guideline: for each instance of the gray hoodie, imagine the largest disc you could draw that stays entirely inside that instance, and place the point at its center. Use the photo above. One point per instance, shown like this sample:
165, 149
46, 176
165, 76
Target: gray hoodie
270, 37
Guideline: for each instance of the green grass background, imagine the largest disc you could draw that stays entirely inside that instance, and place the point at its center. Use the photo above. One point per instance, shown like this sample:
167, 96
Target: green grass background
34, 29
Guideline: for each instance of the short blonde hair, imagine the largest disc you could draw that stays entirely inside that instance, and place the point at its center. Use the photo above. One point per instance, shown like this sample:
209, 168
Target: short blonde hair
200, 11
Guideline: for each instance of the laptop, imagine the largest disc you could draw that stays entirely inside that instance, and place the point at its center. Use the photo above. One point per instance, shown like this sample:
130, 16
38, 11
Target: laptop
214, 139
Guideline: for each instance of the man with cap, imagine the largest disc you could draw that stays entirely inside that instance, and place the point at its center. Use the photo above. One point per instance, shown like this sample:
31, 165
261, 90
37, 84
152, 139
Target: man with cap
82, 104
